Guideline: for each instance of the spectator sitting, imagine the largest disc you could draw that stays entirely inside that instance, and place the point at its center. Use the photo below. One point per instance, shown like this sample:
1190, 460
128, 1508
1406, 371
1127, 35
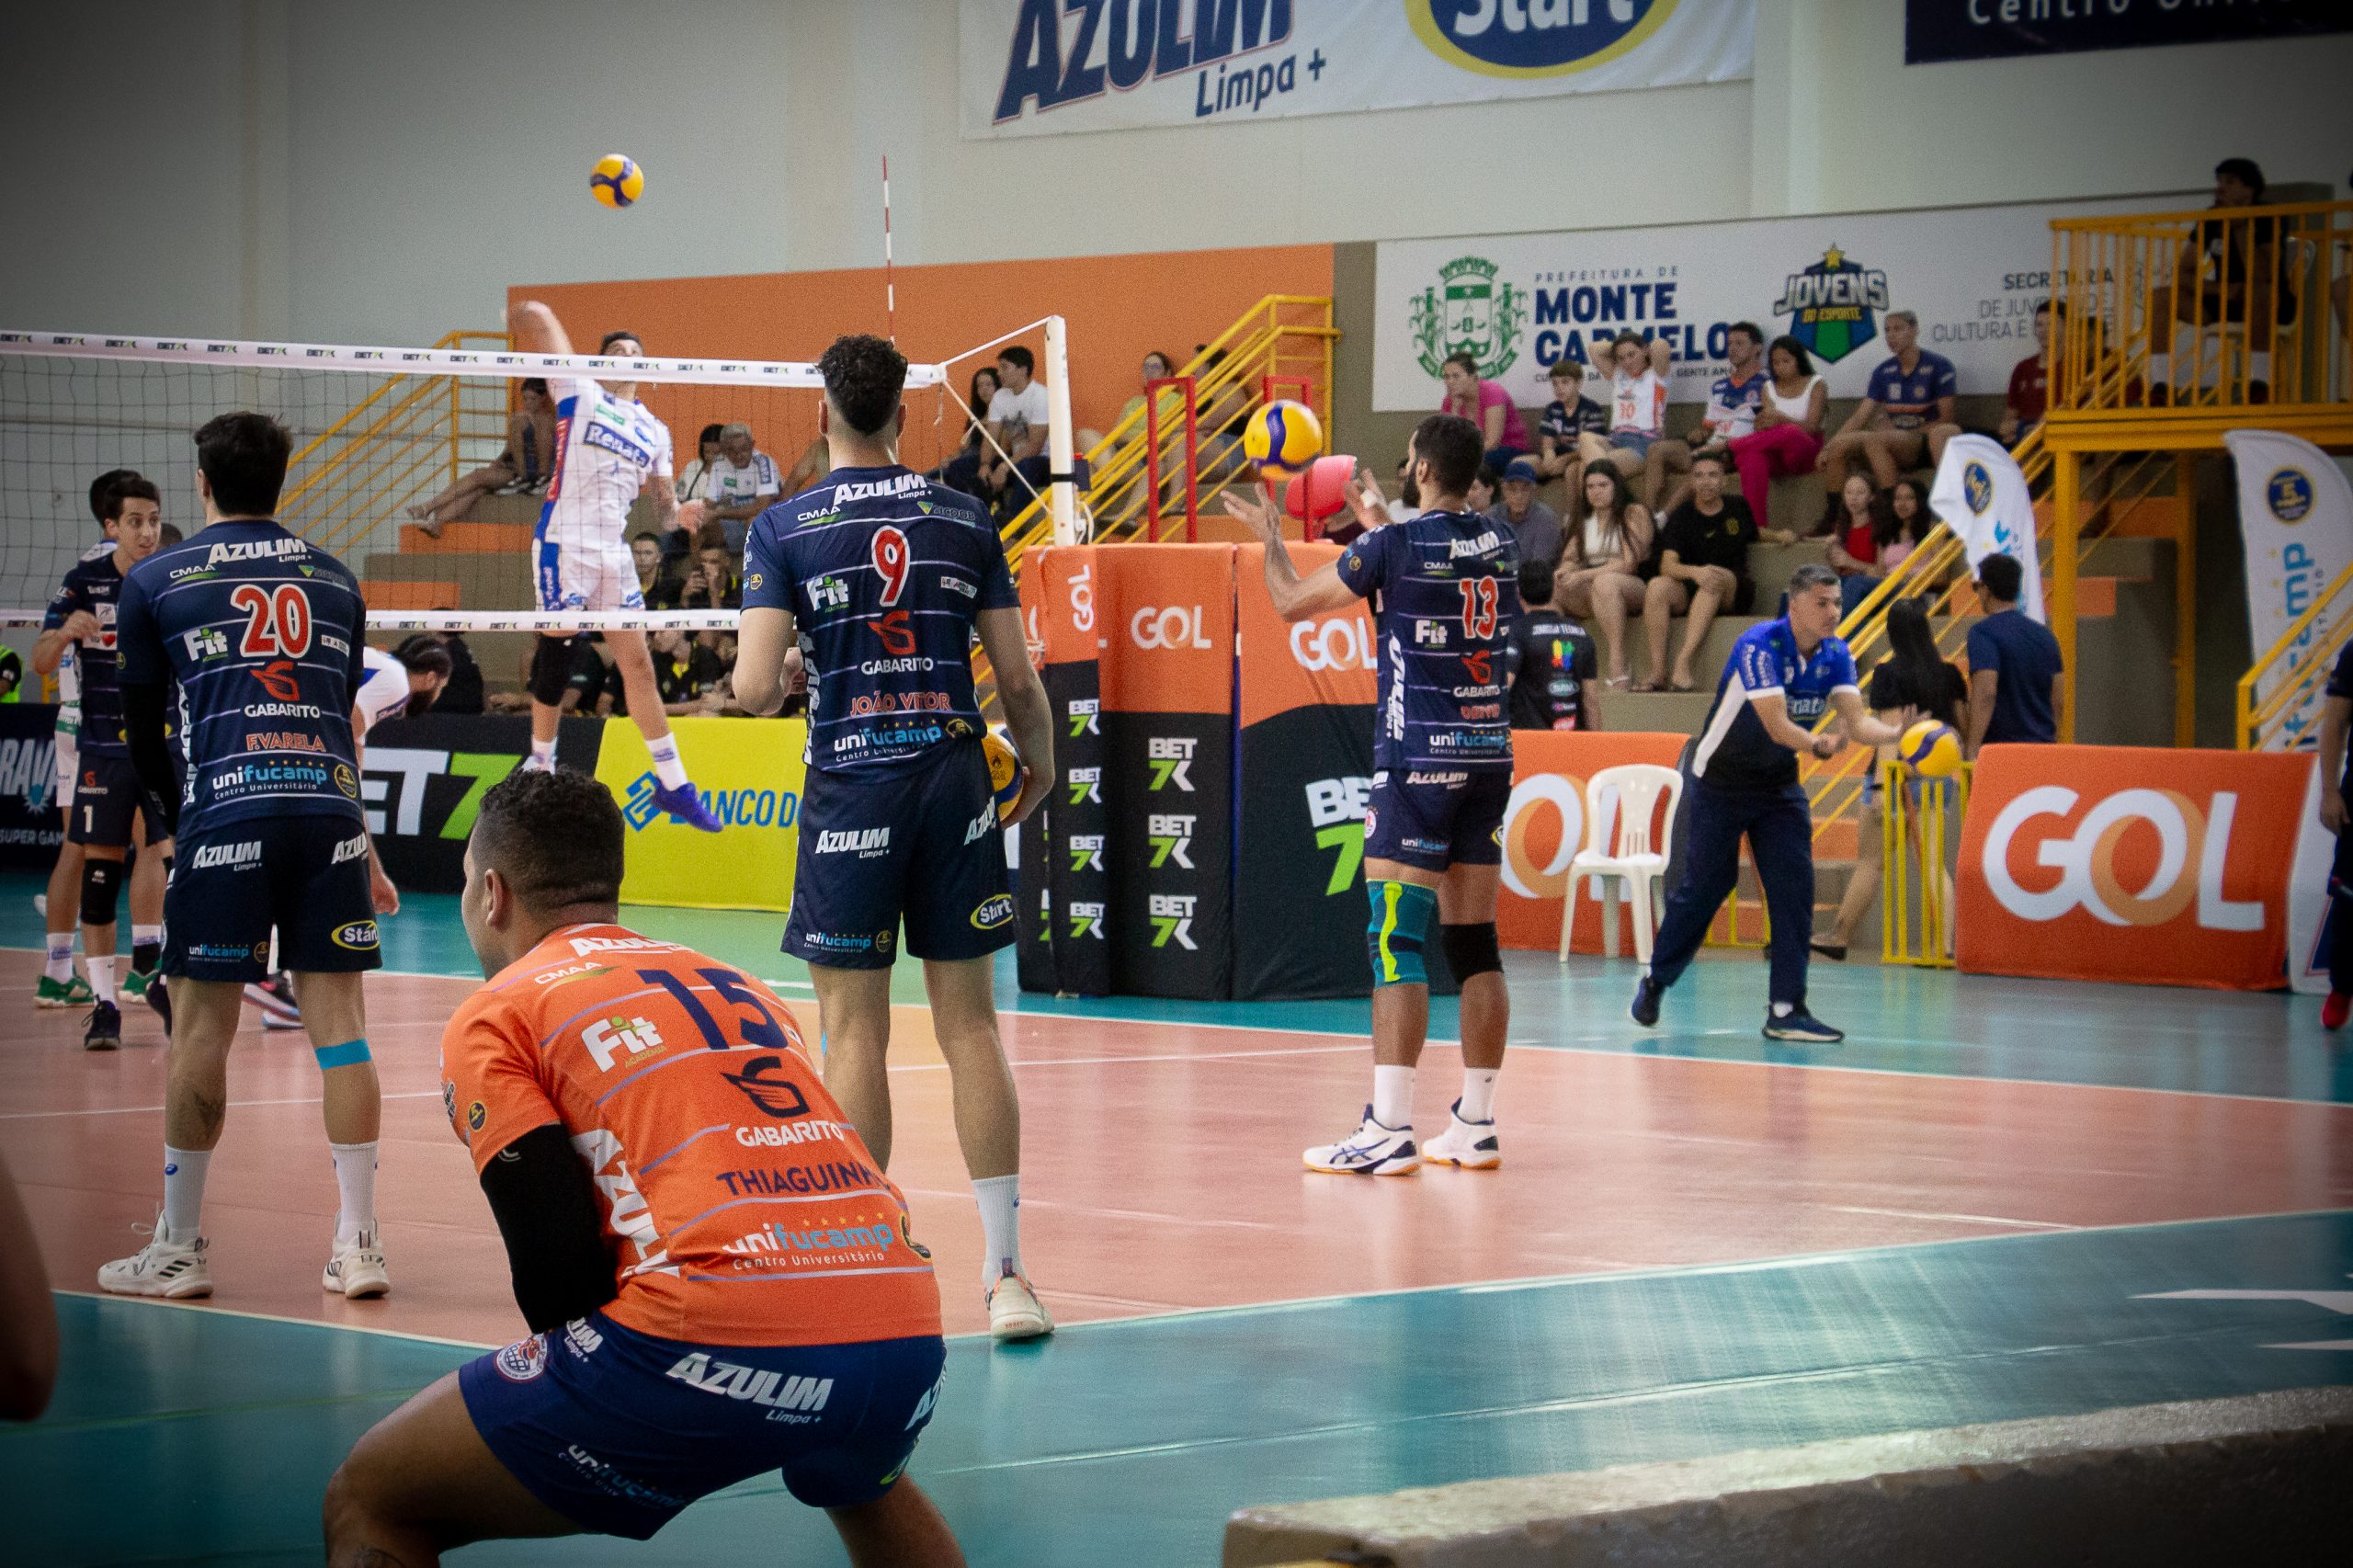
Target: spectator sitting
1017, 418
1605, 541
2016, 680
1570, 414
655, 581
461, 693
1906, 412
691, 484
1485, 486
525, 464
1908, 524
1537, 525
1788, 438
2232, 272
1702, 567
687, 674
1733, 399
1913, 682
1637, 410
1171, 402
1551, 658
1485, 405
1857, 519
2029, 384
711, 585
743, 481
982, 389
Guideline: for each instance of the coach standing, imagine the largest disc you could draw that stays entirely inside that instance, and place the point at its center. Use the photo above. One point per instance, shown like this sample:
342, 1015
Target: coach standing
1781, 676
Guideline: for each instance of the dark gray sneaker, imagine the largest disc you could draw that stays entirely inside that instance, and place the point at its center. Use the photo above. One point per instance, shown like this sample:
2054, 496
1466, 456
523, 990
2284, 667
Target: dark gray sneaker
104, 1031
1645, 1008
1802, 1026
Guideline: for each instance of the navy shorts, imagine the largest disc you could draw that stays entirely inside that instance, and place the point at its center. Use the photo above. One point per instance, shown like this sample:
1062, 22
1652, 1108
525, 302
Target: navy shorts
1434, 819
617, 1430
923, 847
305, 876
106, 797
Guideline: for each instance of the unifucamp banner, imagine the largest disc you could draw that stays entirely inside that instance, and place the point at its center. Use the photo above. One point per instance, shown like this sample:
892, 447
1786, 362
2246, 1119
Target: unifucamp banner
1036, 67
1517, 303
1983, 495
1063, 881
2296, 514
1546, 824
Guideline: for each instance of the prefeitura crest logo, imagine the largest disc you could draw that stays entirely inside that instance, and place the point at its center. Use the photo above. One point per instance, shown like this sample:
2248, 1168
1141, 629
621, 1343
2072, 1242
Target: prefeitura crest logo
1470, 312
1833, 306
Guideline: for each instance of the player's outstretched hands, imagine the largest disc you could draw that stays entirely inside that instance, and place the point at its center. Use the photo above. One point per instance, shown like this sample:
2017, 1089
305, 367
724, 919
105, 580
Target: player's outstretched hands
1260, 515
1366, 502
690, 516
1826, 744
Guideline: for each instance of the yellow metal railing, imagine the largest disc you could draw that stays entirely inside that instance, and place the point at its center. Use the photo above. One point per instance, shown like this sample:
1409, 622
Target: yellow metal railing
2282, 718
1919, 828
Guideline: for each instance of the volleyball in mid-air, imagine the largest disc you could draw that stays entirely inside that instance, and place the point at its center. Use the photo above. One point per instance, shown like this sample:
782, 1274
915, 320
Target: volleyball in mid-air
1004, 770
617, 180
1283, 437
1931, 749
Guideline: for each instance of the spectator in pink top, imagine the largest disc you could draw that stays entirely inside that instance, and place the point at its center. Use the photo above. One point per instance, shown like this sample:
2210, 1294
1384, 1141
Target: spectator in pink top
1487, 406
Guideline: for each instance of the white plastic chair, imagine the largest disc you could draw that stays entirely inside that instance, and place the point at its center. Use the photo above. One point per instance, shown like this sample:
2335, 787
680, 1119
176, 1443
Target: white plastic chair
1619, 806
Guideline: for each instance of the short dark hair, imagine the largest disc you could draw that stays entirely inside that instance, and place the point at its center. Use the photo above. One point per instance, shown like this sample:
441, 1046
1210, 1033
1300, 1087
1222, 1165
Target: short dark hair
1014, 354
2246, 171
1796, 349
2001, 577
131, 489
710, 435
1470, 362
1452, 446
1491, 476
1812, 575
864, 379
1718, 459
100, 485
1564, 366
422, 656
1536, 582
1756, 332
244, 456
615, 336
2043, 307
554, 835
535, 384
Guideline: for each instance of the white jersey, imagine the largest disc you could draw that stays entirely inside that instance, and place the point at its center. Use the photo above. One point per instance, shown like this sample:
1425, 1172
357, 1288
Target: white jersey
606, 451
727, 485
1638, 404
385, 691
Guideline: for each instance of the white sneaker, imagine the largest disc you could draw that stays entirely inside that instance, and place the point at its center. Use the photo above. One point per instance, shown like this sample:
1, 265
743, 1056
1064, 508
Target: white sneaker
1015, 1312
1468, 1146
356, 1269
1371, 1150
166, 1267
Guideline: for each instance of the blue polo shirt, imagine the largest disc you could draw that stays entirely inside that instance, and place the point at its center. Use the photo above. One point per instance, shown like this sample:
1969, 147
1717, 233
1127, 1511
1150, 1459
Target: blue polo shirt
1734, 751
2341, 684
1911, 399
2024, 657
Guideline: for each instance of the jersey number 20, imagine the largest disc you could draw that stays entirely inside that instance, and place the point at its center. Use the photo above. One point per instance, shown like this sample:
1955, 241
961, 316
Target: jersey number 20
277, 622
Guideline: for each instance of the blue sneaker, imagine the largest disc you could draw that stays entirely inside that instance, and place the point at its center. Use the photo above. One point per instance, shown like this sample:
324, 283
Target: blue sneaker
1799, 1024
1645, 1008
682, 804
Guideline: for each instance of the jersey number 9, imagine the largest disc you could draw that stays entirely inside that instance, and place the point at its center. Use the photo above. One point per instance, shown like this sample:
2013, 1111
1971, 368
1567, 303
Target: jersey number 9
891, 563
279, 622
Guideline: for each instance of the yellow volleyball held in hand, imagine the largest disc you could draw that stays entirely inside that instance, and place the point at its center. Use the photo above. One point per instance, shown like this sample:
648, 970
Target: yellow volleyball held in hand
617, 180
1005, 772
1931, 749
1282, 438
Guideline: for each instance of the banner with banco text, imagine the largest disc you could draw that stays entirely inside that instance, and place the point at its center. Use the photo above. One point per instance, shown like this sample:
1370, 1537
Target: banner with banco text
2142, 865
1544, 827
2296, 514
1035, 67
1982, 494
749, 772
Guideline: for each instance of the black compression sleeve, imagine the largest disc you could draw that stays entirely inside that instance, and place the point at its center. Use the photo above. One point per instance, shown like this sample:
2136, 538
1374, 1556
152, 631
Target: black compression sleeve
545, 1204
143, 725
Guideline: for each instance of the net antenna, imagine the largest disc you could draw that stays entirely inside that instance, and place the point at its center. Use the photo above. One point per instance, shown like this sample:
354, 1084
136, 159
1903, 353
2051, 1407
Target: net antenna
890, 286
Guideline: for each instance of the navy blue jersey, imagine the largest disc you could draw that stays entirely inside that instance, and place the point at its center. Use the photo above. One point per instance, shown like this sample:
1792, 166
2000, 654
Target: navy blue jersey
95, 583
265, 636
885, 573
1735, 752
1911, 400
1445, 592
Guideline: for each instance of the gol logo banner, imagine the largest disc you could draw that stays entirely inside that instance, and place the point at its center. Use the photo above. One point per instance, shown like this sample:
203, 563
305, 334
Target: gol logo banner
2126, 863
1544, 827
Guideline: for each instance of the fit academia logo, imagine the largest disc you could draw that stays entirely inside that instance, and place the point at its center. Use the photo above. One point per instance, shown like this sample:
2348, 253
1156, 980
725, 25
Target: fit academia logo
2193, 853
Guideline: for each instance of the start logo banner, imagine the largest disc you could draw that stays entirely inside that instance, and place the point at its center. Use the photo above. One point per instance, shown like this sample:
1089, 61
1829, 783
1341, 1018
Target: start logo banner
1517, 303
2135, 864
1544, 826
1034, 67
749, 772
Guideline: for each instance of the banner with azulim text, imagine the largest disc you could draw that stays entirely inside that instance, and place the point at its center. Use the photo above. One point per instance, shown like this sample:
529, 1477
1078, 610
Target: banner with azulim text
1036, 67
2296, 514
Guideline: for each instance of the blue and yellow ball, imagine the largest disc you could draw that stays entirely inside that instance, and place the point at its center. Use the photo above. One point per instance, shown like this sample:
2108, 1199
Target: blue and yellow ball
1931, 749
617, 180
1282, 438
1005, 772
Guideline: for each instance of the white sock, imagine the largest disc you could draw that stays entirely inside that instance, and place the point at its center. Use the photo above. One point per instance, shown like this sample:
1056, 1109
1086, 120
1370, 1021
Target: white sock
184, 1191
59, 965
1000, 1200
1478, 1094
355, 1177
101, 973
666, 765
543, 752
1393, 1096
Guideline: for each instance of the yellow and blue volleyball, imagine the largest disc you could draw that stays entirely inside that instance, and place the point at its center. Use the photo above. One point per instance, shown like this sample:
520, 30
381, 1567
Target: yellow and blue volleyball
1931, 749
1005, 771
1283, 437
617, 180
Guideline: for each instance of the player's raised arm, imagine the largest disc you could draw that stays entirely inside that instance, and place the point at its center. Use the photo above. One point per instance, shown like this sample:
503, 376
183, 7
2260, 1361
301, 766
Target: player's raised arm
1295, 598
1028, 717
536, 331
1860, 726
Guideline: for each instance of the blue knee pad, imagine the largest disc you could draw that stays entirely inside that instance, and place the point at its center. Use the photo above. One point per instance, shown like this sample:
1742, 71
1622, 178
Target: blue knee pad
1401, 917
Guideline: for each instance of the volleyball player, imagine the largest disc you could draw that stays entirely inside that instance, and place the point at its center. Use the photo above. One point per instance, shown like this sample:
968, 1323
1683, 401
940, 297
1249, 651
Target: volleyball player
1445, 592
104, 808
887, 576
608, 447
730, 1305
1782, 678
264, 635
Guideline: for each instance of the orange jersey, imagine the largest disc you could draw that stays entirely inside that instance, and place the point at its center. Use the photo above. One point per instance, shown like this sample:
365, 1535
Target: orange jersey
743, 1209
